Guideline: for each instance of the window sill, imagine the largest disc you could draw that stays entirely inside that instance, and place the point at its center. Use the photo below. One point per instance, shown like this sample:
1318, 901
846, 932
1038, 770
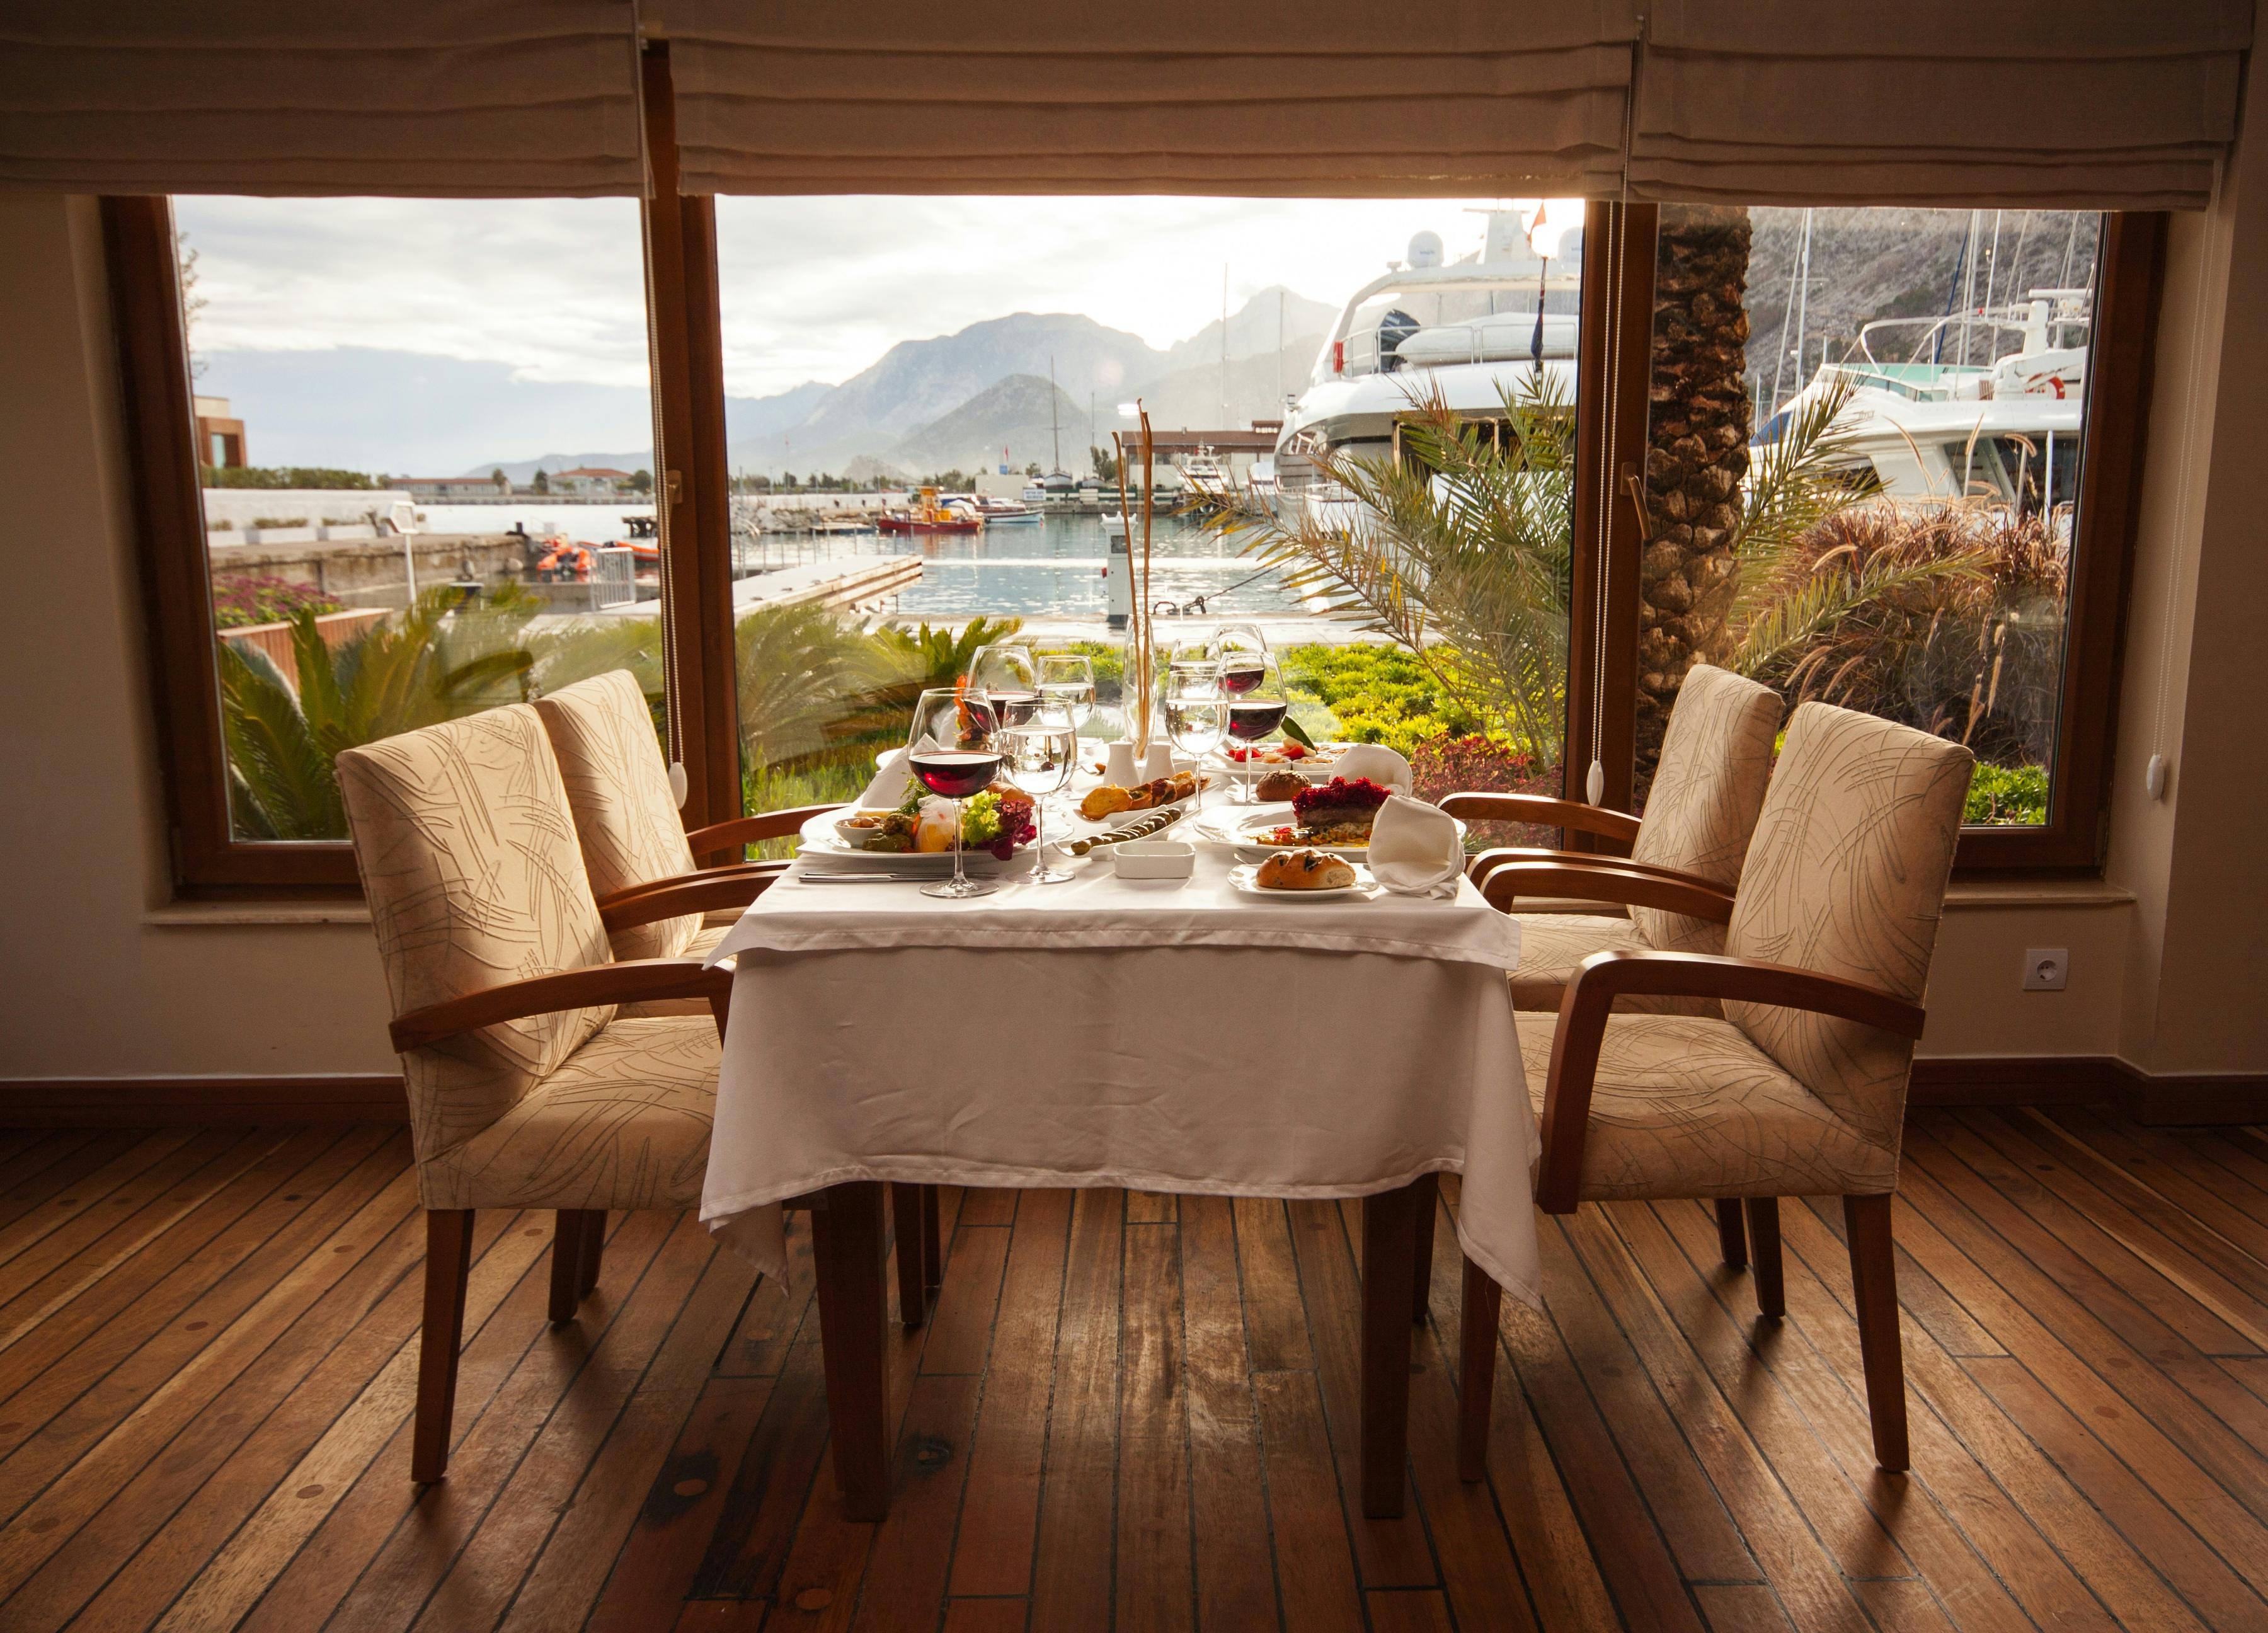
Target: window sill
229, 915
1963, 895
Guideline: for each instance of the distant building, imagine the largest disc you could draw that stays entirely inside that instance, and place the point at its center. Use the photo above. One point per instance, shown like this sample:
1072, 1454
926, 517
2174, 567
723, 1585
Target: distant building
220, 438
589, 480
454, 487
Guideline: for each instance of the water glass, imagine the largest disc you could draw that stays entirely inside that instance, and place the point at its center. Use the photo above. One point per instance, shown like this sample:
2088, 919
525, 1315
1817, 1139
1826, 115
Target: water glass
1039, 756
1067, 682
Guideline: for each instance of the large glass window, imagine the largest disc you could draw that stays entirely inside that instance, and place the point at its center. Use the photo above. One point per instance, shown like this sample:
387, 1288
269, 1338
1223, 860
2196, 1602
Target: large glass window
1362, 440
424, 437
1863, 470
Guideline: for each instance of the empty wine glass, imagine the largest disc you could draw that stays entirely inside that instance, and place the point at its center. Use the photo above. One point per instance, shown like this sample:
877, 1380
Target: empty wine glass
1039, 756
1067, 682
1255, 709
1005, 673
951, 751
1196, 721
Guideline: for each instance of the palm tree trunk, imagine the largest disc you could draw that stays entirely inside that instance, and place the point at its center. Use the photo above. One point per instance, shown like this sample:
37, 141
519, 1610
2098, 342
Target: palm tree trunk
1697, 453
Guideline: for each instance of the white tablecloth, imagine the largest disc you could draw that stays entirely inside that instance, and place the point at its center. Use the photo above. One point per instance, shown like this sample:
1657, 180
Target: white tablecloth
1167, 1037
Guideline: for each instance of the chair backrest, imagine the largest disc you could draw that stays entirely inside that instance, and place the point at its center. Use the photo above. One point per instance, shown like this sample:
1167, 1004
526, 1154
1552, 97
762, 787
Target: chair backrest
618, 784
1716, 759
1846, 877
468, 855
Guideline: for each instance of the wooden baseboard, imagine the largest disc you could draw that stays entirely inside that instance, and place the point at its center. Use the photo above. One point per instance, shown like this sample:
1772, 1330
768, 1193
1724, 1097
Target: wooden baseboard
144, 1102
377, 1097
2090, 1080
2016, 1080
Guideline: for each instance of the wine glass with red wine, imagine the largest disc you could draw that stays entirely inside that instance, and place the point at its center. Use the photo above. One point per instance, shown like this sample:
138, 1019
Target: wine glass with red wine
1255, 709
951, 751
1241, 651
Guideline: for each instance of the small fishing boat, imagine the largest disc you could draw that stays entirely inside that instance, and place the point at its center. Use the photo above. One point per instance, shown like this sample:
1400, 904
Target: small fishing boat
927, 514
1002, 512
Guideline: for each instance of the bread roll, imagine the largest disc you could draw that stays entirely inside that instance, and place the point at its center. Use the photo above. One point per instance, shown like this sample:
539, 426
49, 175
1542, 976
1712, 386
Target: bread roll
1278, 786
1305, 869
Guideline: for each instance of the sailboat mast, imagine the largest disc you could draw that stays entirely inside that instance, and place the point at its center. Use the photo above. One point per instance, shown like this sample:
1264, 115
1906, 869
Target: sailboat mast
1055, 430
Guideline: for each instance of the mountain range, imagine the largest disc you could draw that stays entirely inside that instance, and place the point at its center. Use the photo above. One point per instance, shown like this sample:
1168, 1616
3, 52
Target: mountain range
925, 405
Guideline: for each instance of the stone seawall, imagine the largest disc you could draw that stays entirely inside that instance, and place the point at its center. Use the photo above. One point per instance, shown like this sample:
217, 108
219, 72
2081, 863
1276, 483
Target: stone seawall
368, 573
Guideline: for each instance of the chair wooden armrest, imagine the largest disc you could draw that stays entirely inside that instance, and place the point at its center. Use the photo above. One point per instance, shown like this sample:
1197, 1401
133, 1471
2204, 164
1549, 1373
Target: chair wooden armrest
679, 898
1603, 977
1487, 862
1591, 881
747, 830
630, 893
629, 982
1542, 810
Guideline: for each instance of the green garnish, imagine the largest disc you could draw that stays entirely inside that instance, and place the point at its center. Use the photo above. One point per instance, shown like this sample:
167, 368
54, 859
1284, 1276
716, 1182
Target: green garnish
1298, 733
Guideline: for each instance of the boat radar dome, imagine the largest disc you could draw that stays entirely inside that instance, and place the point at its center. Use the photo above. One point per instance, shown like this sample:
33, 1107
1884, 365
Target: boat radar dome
1425, 250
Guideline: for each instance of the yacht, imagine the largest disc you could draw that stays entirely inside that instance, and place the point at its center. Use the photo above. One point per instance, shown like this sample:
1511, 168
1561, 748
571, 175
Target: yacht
1204, 471
1004, 512
2003, 433
1474, 331
1059, 492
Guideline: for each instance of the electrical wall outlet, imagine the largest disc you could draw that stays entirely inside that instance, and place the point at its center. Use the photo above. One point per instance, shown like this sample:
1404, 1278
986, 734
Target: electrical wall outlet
2046, 968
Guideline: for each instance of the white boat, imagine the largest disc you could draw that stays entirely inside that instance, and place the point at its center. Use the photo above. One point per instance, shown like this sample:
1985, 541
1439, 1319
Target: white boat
1473, 332
1059, 492
1204, 471
1003, 512
2005, 432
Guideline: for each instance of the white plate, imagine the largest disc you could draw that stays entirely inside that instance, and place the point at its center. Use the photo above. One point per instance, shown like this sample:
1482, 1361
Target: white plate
828, 849
1243, 880
1238, 835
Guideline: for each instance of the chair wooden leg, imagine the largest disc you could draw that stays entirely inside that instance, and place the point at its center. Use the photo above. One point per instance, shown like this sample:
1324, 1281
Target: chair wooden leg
932, 1242
1428, 1205
594, 1251
1732, 1241
1764, 1247
1476, 1355
846, 1248
1389, 1229
1874, 1289
448, 1263
569, 1241
913, 1254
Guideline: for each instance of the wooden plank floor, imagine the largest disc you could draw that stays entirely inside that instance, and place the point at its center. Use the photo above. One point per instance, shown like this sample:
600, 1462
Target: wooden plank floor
1134, 1411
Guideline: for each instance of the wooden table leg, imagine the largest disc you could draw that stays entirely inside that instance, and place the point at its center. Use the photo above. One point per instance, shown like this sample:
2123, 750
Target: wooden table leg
846, 1248
932, 1241
1421, 1255
1389, 1262
913, 1255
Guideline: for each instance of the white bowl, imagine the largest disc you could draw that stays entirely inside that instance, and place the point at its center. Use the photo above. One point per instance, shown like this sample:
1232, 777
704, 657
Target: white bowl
1154, 858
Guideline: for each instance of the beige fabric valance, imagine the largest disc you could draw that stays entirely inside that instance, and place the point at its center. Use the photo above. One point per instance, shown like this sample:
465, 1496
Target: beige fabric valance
1279, 97
427, 97
2038, 103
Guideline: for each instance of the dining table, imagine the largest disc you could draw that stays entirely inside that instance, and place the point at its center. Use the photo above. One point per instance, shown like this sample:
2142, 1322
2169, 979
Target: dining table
1180, 1036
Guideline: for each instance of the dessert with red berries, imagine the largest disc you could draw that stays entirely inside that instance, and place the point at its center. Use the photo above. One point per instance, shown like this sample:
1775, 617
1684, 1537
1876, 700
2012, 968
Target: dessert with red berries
1339, 812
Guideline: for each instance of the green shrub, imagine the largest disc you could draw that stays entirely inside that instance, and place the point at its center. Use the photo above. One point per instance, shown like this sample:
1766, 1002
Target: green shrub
241, 600
286, 476
2004, 796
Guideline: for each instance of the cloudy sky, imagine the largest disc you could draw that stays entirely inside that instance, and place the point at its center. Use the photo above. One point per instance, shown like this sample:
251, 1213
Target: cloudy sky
815, 288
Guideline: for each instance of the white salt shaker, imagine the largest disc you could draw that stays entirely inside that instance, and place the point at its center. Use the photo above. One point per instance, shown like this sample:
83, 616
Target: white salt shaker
1159, 762
1118, 764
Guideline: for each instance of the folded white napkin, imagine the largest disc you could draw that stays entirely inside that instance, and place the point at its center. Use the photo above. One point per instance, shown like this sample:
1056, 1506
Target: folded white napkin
888, 790
1414, 850
1378, 762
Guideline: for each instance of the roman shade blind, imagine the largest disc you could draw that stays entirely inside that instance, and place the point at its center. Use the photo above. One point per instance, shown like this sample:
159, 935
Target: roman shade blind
2024, 104
1270, 97
425, 97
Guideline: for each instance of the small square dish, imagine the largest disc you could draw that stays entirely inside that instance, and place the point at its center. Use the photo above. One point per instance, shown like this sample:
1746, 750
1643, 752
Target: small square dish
1154, 858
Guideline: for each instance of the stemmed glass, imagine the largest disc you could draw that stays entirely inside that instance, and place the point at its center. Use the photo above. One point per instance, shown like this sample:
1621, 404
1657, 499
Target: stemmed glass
951, 750
1039, 756
1067, 682
1240, 650
1197, 720
1004, 672
1255, 709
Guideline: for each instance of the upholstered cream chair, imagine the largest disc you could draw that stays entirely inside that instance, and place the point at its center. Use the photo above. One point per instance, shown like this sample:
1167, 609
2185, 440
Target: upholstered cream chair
638, 854
1800, 1088
1716, 759
527, 1089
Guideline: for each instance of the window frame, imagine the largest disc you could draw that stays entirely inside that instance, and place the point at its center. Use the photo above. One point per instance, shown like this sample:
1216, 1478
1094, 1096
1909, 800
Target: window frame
683, 299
